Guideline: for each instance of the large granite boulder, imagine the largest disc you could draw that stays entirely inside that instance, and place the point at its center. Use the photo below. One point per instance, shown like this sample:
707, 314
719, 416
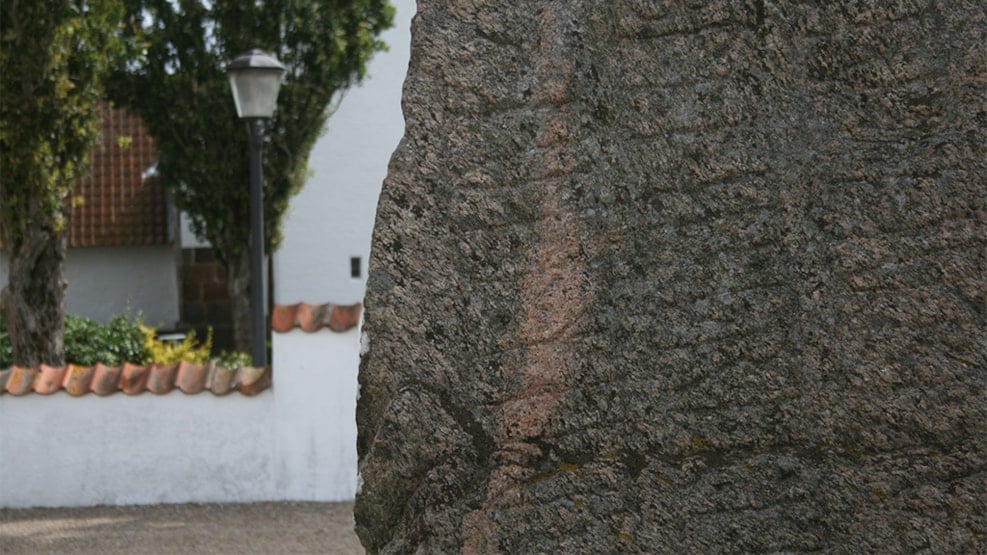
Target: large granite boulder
678, 276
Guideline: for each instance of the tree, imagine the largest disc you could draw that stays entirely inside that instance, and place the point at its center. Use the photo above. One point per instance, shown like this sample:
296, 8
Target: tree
681, 277
180, 89
53, 59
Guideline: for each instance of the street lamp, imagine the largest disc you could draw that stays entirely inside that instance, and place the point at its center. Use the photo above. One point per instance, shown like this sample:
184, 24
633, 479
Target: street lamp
255, 78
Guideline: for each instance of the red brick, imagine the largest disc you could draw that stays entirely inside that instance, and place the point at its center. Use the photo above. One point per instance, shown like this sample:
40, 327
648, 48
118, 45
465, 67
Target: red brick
215, 292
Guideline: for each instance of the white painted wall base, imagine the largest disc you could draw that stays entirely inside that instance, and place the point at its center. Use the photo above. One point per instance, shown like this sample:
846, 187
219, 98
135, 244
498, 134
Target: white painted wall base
295, 441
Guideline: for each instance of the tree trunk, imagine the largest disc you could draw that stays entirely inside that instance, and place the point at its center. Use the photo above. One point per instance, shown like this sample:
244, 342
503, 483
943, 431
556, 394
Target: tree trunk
238, 285
681, 277
33, 302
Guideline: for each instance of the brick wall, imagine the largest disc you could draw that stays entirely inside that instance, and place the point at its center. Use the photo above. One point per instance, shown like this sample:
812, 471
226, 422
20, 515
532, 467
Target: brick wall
205, 300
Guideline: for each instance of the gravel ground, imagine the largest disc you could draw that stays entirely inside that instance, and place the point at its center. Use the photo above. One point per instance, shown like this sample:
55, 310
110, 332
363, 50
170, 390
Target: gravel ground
275, 528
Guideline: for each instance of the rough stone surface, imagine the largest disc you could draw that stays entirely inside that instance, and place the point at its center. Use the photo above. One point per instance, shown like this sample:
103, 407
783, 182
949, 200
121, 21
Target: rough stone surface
678, 276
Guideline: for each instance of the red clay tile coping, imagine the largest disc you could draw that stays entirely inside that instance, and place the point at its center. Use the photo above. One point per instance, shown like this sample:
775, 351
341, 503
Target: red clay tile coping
189, 378
312, 318
133, 379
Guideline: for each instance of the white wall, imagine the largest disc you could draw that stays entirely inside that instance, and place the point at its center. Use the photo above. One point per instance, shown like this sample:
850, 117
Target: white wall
105, 281
295, 441
188, 239
315, 432
60, 451
329, 221
332, 218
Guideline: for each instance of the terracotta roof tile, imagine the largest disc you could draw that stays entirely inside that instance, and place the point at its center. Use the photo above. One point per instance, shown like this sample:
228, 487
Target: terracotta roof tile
221, 380
312, 318
344, 318
134, 378
20, 380
251, 381
106, 379
49, 379
161, 378
77, 379
191, 378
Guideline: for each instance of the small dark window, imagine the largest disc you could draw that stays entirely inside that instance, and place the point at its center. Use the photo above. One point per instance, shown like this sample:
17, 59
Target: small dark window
355, 266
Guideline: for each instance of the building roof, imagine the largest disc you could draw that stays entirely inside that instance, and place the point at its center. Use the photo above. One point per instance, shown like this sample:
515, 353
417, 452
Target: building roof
188, 378
121, 201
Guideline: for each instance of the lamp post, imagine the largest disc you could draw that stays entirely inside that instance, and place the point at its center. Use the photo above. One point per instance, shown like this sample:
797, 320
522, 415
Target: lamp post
255, 78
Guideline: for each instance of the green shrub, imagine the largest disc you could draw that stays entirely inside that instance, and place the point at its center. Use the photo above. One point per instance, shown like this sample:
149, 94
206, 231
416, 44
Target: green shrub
88, 342
232, 359
126, 339
6, 349
83, 344
118, 341
170, 352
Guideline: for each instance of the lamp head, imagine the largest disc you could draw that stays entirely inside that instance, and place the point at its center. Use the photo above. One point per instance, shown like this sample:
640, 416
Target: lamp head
255, 78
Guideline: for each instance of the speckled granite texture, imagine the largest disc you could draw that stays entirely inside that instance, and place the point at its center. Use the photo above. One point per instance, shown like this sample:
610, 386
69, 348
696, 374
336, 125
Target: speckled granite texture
672, 276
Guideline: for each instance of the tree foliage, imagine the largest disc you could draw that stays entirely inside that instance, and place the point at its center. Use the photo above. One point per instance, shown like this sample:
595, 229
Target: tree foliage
179, 86
54, 56
88, 342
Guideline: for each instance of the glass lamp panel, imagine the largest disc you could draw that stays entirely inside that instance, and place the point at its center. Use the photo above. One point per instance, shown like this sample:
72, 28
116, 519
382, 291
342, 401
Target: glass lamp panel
255, 91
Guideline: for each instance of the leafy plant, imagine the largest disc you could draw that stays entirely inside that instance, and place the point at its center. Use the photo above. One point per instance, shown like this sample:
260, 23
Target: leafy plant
83, 342
88, 342
120, 340
325, 44
6, 349
170, 352
232, 359
53, 59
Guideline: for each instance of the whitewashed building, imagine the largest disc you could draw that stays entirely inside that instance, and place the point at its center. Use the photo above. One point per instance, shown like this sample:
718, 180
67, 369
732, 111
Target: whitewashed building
157, 437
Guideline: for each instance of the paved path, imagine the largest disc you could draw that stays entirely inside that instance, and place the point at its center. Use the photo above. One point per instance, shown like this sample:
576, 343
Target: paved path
265, 528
